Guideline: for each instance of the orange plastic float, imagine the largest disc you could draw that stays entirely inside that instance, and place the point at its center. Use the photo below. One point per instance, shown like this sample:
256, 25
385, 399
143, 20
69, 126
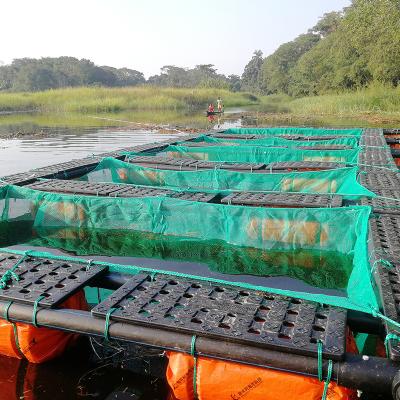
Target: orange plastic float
38, 345
224, 380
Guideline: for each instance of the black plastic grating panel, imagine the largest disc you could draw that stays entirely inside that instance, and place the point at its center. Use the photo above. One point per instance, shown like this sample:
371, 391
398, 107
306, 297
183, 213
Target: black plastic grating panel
134, 191
311, 138
195, 196
82, 164
228, 313
298, 165
384, 231
55, 280
388, 281
325, 147
235, 136
159, 162
75, 187
381, 179
116, 190
149, 147
207, 144
378, 158
21, 178
390, 140
392, 131
242, 166
384, 205
283, 200
374, 141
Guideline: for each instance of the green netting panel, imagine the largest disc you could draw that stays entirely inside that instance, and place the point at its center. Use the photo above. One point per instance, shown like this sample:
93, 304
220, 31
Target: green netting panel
276, 232
296, 131
256, 154
341, 181
277, 141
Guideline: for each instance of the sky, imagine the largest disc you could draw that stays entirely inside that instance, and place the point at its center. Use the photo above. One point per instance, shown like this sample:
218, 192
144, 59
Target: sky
147, 34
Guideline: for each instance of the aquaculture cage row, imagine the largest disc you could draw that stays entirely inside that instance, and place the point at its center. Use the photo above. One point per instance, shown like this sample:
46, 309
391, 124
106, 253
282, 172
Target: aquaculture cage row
269, 253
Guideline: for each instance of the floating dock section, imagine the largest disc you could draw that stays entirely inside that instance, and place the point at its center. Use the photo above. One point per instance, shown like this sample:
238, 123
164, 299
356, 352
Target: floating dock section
293, 241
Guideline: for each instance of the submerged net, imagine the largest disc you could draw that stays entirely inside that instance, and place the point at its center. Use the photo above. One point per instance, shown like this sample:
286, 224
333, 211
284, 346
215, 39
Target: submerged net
295, 131
259, 154
341, 181
278, 141
326, 248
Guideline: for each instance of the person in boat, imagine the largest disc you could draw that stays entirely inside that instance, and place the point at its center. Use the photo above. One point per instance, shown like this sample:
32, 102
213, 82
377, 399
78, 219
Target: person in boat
219, 104
211, 108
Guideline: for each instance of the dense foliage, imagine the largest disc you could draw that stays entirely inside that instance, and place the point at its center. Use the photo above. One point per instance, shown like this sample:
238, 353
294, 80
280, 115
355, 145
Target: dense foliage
346, 50
29, 74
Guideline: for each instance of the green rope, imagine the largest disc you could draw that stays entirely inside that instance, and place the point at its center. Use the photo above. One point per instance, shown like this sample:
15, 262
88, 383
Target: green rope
16, 339
319, 349
382, 261
89, 264
193, 354
14, 325
6, 317
390, 321
107, 323
10, 274
153, 276
390, 336
35, 311
328, 380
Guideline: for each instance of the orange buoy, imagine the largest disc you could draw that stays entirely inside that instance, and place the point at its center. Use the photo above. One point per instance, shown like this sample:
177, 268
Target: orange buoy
225, 380
305, 184
286, 231
231, 381
38, 345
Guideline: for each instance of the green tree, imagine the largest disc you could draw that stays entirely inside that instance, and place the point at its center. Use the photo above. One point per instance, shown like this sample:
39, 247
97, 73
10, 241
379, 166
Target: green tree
251, 77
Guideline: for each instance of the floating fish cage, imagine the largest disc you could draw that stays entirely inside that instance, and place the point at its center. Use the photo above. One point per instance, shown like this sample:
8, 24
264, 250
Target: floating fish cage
258, 259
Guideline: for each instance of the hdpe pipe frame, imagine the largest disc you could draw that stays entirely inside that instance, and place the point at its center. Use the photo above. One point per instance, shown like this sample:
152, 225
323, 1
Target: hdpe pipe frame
371, 374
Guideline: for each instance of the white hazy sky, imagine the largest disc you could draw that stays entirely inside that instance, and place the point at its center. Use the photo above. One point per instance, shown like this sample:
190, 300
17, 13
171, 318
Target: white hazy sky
147, 34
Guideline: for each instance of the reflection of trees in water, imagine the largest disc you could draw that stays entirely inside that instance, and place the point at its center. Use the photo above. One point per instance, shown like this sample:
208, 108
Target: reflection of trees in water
323, 269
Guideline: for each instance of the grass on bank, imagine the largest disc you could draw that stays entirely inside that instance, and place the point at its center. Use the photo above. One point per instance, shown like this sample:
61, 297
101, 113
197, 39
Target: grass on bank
373, 99
100, 99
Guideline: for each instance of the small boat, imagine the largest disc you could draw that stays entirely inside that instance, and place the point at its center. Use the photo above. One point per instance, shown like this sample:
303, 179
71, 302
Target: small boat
214, 112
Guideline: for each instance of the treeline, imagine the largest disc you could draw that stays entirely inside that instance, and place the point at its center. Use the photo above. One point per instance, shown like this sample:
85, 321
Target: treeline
28, 74
32, 75
345, 50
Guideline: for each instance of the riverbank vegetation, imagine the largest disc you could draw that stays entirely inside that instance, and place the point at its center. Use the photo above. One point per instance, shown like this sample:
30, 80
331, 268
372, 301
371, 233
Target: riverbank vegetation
99, 100
346, 50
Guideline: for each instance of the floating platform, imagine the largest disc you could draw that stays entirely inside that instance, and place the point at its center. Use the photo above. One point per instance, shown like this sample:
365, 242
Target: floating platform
231, 320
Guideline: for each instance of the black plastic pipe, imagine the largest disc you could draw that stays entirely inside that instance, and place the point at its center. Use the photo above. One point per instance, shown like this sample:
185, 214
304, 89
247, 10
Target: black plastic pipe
369, 374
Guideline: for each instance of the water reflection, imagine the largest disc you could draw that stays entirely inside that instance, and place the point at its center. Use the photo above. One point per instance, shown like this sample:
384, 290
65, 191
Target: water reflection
83, 374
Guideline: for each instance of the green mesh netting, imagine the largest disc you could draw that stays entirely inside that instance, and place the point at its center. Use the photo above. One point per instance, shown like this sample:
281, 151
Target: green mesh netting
341, 181
278, 141
257, 154
261, 235
295, 131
